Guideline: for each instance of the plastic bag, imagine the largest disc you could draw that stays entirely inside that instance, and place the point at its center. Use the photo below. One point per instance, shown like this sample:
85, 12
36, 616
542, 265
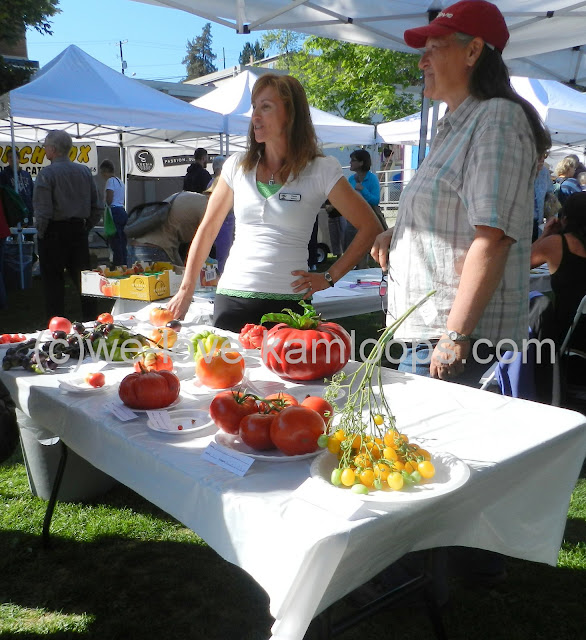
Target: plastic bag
109, 226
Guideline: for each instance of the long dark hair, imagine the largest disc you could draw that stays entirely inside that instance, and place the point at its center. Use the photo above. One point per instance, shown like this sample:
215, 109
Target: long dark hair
301, 137
490, 79
573, 215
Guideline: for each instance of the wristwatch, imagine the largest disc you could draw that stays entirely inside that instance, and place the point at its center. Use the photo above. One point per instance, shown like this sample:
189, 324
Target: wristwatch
457, 337
329, 278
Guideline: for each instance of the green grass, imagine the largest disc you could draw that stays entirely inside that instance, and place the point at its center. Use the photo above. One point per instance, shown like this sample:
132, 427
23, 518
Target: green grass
122, 569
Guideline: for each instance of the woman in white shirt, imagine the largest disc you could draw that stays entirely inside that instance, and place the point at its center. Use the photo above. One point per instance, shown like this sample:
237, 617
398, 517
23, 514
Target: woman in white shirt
115, 199
276, 189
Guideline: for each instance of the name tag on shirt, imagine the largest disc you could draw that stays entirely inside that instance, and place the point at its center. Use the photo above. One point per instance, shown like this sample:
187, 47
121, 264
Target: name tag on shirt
290, 197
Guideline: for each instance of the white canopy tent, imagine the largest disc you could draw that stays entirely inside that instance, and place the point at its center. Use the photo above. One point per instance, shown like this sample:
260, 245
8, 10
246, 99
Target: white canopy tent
90, 100
537, 27
232, 99
562, 109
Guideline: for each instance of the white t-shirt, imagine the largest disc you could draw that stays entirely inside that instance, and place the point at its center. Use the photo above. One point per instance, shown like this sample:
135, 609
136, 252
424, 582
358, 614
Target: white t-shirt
272, 233
115, 184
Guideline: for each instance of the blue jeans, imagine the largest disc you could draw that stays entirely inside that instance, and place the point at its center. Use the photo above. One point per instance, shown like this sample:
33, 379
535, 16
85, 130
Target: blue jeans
118, 242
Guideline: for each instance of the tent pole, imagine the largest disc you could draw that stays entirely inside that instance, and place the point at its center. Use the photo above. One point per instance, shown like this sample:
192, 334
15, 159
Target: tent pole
227, 144
18, 226
123, 176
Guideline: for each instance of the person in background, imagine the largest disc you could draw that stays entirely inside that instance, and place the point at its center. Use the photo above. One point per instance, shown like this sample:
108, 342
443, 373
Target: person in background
275, 187
4, 233
170, 241
66, 207
336, 226
197, 177
368, 186
543, 185
582, 180
580, 168
225, 236
25, 181
114, 195
563, 246
566, 184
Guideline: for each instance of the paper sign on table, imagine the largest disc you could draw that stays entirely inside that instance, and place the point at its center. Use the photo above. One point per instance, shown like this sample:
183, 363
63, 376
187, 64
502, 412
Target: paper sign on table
161, 420
122, 413
341, 502
232, 461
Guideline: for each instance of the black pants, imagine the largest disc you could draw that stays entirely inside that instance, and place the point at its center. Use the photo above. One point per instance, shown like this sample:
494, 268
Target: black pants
232, 313
64, 247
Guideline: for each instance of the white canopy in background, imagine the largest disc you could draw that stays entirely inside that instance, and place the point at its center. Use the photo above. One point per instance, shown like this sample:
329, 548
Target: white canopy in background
537, 27
90, 100
562, 109
232, 99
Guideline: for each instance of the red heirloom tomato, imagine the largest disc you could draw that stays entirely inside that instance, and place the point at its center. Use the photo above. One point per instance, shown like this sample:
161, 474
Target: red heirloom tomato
279, 401
221, 370
149, 389
252, 335
255, 431
97, 379
323, 407
57, 323
301, 347
295, 430
159, 316
229, 407
105, 318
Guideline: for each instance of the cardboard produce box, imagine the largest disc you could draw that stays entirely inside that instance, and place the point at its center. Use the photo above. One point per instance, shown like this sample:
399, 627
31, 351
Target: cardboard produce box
143, 286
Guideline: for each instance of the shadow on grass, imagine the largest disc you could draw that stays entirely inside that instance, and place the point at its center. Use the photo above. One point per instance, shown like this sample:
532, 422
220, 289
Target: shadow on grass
132, 589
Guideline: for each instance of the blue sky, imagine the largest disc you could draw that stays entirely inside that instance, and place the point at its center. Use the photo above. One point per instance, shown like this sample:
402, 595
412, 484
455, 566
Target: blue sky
156, 37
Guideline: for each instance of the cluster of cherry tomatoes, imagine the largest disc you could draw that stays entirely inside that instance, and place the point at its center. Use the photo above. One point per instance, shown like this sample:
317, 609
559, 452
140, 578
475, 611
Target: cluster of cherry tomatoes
384, 462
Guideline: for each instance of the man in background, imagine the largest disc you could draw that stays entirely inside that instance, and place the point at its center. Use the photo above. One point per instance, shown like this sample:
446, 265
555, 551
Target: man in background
66, 207
197, 177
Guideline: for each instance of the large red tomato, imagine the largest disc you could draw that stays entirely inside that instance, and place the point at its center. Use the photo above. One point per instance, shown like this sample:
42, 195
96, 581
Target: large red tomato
221, 370
278, 402
301, 347
255, 431
229, 407
149, 389
295, 430
323, 407
57, 323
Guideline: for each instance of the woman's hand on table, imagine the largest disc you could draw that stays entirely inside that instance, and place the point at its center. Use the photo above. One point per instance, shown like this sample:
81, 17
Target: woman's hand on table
179, 304
309, 282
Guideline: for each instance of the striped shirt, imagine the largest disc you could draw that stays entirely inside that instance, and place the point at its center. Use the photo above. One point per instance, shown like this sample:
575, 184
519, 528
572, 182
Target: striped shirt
480, 171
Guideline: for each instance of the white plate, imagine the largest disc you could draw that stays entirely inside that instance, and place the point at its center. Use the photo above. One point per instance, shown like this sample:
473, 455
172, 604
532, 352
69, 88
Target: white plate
78, 385
169, 406
191, 420
450, 474
273, 455
301, 392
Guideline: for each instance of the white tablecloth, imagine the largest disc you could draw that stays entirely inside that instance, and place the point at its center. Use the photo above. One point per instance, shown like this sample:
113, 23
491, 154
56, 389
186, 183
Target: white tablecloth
524, 457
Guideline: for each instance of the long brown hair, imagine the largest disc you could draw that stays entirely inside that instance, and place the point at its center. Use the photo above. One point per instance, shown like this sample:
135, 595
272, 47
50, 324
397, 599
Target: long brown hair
302, 145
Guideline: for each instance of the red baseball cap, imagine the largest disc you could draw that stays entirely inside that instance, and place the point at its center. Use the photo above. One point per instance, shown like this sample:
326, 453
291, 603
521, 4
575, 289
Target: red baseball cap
476, 18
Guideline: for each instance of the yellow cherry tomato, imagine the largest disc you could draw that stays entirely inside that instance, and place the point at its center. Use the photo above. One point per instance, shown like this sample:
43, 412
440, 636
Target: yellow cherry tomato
348, 477
378, 419
382, 470
390, 454
333, 445
426, 469
340, 435
395, 481
389, 437
367, 477
363, 460
398, 465
410, 466
424, 453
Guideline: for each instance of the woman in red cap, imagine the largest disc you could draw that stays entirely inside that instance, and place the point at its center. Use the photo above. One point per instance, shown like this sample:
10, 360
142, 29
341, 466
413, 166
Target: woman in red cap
465, 219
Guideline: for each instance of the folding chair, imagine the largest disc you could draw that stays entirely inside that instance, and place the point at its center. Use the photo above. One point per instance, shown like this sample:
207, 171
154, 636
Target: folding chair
565, 351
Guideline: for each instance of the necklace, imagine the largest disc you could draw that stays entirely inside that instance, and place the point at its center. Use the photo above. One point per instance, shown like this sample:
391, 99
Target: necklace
272, 180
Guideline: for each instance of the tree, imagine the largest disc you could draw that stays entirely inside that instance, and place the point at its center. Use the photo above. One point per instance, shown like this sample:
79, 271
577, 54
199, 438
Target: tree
200, 59
356, 81
15, 16
251, 50
284, 43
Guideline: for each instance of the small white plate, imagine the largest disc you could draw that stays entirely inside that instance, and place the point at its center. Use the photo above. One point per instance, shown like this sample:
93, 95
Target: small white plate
191, 421
273, 455
169, 406
301, 392
450, 474
79, 385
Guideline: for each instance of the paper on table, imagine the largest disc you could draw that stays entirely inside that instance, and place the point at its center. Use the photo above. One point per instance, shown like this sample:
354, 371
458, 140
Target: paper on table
336, 292
122, 413
232, 461
161, 419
